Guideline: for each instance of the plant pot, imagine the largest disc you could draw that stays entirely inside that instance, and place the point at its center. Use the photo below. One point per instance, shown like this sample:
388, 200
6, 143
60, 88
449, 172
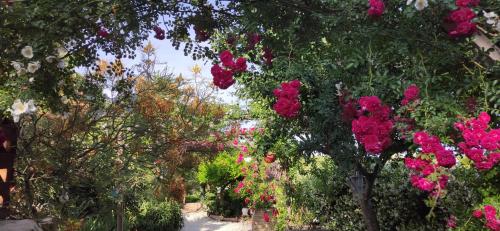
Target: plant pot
258, 222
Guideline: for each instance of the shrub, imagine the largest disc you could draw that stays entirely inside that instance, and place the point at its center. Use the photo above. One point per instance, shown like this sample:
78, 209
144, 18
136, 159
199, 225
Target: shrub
159, 216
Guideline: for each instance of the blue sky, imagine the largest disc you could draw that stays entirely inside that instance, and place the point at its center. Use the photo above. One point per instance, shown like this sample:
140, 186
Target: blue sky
179, 64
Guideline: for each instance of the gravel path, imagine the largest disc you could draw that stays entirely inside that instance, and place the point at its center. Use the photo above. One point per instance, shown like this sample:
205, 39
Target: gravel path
198, 221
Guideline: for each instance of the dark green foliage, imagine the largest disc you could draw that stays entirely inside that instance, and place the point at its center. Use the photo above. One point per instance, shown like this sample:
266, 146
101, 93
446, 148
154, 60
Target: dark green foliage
159, 216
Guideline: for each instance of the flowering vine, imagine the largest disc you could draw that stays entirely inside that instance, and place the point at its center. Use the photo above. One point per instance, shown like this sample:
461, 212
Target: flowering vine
288, 104
223, 76
481, 144
492, 222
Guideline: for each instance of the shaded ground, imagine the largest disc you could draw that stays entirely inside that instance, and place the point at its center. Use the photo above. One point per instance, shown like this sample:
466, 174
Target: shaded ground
195, 219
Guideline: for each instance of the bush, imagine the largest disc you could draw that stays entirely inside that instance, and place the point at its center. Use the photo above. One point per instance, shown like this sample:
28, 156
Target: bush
319, 192
159, 216
193, 198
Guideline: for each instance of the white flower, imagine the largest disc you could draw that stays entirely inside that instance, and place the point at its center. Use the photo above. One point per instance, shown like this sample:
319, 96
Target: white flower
27, 52
409, 2
33, 66
18, 66
18, 108
50, 59
489, 14
421, 4
339, 88
247, 159
61, 64
31, 79
61, 52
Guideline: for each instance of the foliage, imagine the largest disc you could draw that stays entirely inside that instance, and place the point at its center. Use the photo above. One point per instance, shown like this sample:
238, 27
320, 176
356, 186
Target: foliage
219, 177
165, 215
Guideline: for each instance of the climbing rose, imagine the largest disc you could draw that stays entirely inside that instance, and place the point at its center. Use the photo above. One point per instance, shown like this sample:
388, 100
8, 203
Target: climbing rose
103, 32
373, 129
411, 93
159, 33
227, 59
240, 65
462, 14
451, 222
466, 3
222, 78
288, 104
461, 18
376, 8
422, 183
477, 213
253, 39
463, 29
480, 144
490, 215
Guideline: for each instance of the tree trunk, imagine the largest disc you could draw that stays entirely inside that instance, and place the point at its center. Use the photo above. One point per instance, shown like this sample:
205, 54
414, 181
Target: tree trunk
119, 217
369, 214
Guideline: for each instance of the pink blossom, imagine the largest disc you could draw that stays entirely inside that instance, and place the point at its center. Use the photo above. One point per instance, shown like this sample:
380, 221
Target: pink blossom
240, 158
466, 3
377, 8
226, 58
477, 213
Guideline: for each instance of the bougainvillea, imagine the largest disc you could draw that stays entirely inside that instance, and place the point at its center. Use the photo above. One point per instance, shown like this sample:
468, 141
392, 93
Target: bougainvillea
481, 144
492, 222
288, 104
373, 126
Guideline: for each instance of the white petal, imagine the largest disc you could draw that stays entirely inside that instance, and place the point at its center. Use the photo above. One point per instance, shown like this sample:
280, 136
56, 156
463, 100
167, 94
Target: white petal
27, 52
489, 14
491, 21
409, 2
421, 4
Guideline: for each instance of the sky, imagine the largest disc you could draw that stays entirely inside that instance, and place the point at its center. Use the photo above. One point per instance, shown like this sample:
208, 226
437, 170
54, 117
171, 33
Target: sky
179, 64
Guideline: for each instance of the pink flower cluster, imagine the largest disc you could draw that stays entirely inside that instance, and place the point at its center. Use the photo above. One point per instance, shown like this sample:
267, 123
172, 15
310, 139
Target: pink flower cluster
373, 127
252, 40
377, 8
223, 77
432, 145
490, 215
479, 140
461, 19
103, 32
411, 93
159, 33
288, 104
423, 165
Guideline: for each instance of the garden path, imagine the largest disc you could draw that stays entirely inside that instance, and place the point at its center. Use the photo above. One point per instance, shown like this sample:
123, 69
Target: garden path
196, 219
